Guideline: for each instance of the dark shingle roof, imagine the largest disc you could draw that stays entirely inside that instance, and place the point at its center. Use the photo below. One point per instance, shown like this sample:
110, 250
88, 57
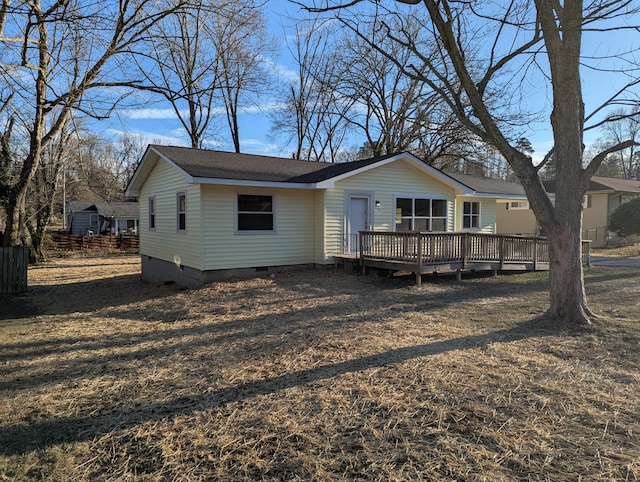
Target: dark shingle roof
121, 209
489, 186
208, 164
201, 163
598, 183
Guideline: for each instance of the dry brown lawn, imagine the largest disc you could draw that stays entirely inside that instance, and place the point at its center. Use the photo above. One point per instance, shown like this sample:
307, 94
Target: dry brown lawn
315, 375
632, 251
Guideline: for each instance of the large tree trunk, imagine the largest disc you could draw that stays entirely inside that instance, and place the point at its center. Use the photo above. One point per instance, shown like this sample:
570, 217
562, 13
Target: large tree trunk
37, 232
15, 214
568, 301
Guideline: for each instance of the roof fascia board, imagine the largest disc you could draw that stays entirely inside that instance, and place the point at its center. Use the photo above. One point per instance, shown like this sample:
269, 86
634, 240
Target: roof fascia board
500, 196
508, 197
458, 187
132, 188
250, 183
144, 169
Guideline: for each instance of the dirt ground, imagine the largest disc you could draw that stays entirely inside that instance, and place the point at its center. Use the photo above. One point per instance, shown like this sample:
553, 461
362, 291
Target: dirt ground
315, 375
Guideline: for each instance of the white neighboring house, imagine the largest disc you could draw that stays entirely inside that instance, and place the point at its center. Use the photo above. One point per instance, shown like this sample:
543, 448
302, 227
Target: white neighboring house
207, 215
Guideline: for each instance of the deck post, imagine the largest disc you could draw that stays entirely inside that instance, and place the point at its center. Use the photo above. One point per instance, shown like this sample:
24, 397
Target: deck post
464, 250
419, 270
501, 253
360, 246
535, 254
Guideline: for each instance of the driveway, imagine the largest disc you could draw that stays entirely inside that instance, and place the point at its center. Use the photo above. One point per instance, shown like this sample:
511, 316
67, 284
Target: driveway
615, 262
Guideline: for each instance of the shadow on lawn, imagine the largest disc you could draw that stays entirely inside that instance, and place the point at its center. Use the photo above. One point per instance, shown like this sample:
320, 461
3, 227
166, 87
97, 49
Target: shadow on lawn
298, 325
40, 434
80, 296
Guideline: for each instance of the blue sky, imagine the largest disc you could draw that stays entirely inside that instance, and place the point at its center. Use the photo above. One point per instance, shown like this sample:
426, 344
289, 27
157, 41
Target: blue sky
157, 123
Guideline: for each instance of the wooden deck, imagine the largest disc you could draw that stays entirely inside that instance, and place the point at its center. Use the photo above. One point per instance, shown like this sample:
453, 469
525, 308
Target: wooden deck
421, 253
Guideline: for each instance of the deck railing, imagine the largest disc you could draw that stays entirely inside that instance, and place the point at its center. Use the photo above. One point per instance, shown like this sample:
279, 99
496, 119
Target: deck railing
434, 248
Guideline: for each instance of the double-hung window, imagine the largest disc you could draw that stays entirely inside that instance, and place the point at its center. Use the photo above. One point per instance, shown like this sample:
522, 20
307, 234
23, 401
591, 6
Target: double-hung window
471, 215
255, 212
421, 214
181, 212
152, 213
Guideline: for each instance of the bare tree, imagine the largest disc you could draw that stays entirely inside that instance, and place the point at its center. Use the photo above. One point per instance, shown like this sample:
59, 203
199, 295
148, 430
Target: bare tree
314, 114
54, 57
95, 165
207, 60
518, 36
624, 125
180, 62
393, 111
243, 46
43, 191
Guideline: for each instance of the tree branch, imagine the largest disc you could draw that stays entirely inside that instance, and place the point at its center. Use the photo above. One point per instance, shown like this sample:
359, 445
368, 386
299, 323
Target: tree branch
595, 163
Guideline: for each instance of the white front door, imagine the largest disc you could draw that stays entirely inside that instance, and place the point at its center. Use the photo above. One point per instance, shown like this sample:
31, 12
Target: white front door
358, 219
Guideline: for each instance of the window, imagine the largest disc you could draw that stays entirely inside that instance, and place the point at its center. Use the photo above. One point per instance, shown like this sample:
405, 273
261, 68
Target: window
421, 214
471, 215
255, 212
586, 201
182, 211
152, 213
518, 205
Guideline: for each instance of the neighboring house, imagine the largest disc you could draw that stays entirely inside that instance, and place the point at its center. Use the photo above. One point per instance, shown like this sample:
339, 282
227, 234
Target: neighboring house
207, 215
94, 218
603, 196
513, 214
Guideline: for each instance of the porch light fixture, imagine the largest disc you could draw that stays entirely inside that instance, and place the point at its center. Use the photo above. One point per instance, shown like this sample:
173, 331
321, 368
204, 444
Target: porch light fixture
377, 204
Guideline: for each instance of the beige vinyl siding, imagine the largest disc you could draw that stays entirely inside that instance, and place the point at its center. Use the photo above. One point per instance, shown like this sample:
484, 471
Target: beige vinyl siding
291, 243
515, 221
165, 242
487, 214
385, 182
597, 215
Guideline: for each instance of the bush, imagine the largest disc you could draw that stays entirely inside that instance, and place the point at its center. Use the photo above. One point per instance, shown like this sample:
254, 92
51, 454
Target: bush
625, 220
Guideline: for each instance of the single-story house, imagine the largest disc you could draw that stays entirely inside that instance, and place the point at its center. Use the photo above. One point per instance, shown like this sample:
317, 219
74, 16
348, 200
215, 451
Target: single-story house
95, 218
207, 215
603, 196
511, 202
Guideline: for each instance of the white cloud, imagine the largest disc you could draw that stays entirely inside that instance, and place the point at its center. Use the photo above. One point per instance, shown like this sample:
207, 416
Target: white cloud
152, 137
263, 148
282, 72
170, 114
149, 114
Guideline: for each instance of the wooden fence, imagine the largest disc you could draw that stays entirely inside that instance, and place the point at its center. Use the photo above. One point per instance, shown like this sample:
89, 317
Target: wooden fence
105, 242
14, 262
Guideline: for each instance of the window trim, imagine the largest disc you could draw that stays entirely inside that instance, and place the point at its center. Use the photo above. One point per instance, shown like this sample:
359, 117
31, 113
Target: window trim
152, 213
237, 213
471, 216
518, 205
413, 217
178, 212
